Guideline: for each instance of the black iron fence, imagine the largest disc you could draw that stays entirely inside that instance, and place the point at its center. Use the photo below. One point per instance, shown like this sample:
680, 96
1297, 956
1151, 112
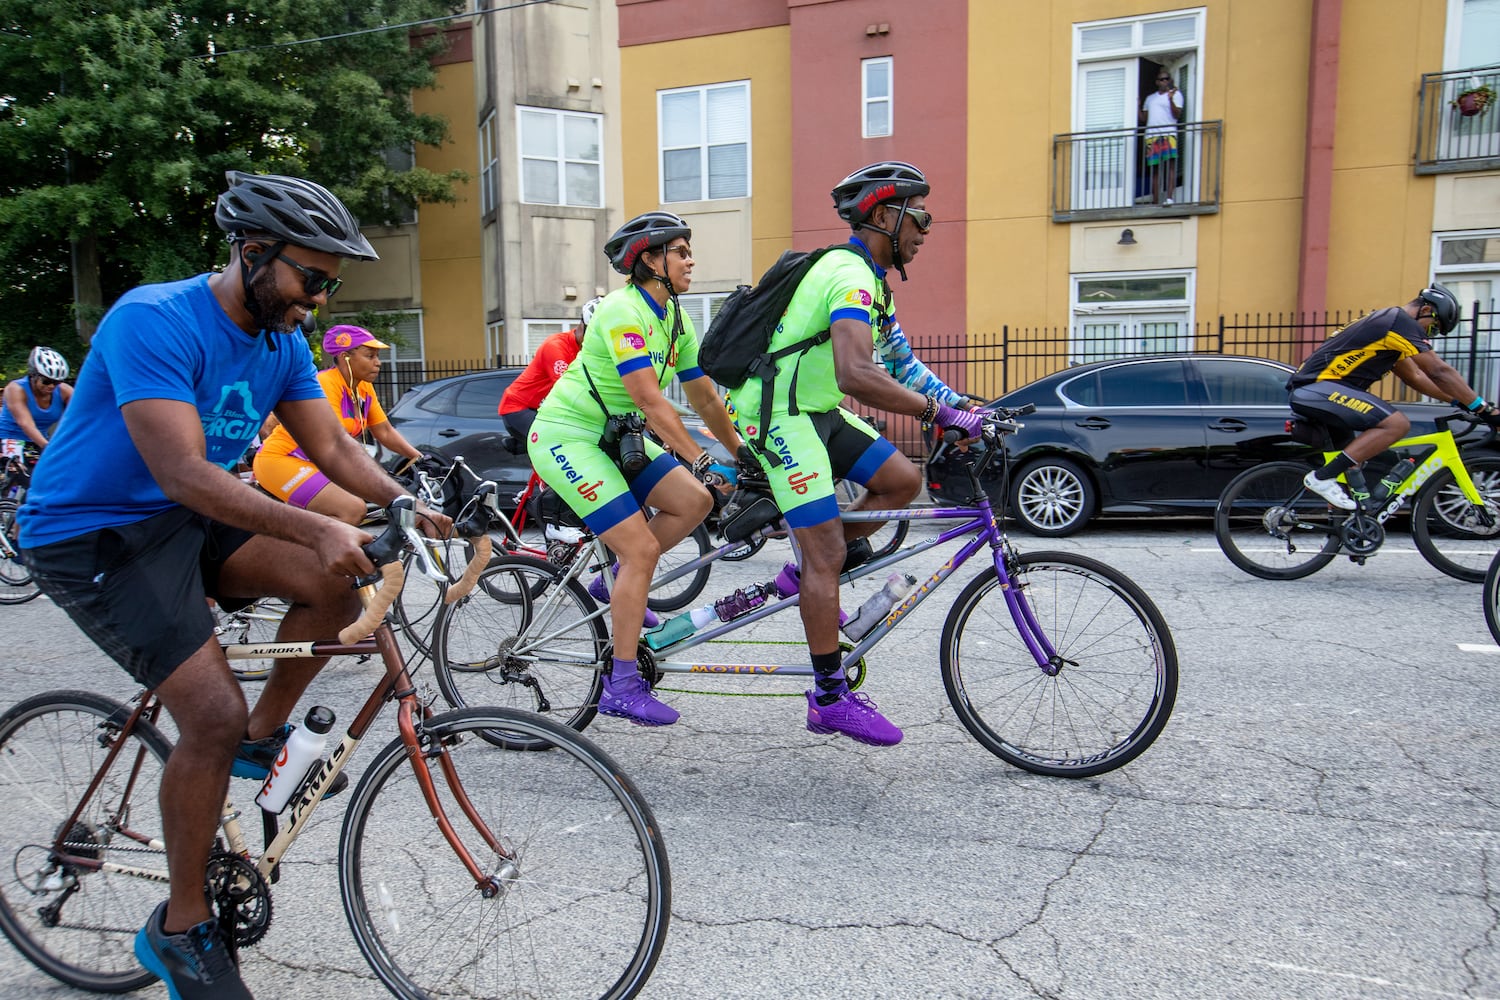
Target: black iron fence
991, 364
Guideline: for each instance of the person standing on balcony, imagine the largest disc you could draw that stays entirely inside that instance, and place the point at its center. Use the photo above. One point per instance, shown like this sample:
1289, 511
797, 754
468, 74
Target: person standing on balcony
1160, 113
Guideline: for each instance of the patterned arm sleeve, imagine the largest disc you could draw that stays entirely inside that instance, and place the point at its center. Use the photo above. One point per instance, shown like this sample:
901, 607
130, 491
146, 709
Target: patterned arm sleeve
895, 351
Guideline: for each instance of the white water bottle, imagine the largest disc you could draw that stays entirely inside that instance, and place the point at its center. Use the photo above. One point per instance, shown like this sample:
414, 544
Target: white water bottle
897, 586
302, 750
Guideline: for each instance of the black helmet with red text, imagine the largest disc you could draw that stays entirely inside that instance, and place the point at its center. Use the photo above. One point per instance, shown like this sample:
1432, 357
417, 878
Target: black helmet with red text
644, 232
856, 196
1445, 307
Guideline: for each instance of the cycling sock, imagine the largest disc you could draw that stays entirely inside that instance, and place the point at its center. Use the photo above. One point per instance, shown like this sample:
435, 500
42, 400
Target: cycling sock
1355, 479
829, 669
623, 669
1340, 463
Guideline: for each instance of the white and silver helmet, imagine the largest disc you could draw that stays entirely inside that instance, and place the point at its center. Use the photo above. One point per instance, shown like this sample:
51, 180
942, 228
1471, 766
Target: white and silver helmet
47, 363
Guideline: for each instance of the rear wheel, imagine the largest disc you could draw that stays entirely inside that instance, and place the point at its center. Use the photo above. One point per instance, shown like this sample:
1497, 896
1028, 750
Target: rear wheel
1492, 598
885, 539
1052, 497
257, 622
475, 640
72, 900
1271, 526
1449, 531
682, 591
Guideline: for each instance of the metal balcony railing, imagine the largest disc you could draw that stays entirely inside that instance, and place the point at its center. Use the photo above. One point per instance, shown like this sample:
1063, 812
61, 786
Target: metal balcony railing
1109, 174
1458, 125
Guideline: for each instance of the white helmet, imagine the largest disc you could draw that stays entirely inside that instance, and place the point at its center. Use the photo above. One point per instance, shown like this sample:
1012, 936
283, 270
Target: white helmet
47, 363
588, 310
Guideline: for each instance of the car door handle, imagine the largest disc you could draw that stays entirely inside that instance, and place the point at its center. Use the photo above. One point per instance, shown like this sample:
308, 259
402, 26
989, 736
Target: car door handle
1094, 424
1229, 425
449, 433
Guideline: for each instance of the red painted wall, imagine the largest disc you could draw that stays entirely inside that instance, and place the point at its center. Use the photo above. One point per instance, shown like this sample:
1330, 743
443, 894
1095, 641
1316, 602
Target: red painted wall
928, 43
643, 21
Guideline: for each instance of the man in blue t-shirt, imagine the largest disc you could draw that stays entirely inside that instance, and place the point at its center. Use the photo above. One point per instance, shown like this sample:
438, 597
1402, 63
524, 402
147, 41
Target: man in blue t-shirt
134, 517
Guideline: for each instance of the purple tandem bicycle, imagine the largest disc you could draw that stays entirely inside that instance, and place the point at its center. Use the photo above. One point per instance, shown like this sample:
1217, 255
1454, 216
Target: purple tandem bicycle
1054, 662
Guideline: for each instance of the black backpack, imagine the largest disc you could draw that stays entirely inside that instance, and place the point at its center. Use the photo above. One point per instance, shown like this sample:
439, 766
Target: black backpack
735, 348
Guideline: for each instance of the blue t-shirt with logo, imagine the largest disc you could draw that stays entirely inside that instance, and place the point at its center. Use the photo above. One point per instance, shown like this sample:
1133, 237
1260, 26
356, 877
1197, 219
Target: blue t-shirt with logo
170, 341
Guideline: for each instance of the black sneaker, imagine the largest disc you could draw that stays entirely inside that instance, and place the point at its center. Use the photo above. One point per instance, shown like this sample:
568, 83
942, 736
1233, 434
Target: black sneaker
195, 965
255, 757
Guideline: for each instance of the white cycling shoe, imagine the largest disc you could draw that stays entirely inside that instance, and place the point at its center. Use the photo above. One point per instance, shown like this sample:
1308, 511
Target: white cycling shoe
1330, 490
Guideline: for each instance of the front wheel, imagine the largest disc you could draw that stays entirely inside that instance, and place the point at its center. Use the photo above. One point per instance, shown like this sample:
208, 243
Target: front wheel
1492, 598
16, 584
1449, 531
576, 891
72, 900
1104, 697
1271, 526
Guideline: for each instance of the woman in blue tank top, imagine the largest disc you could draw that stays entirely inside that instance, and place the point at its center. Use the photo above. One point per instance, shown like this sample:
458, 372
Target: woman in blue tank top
33, 405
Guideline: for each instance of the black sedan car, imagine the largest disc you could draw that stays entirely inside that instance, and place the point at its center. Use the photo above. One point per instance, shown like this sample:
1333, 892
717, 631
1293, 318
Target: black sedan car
460, 415
1144, 435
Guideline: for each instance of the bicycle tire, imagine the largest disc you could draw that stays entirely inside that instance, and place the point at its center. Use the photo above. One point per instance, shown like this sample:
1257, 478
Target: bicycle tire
747, 549
583, 910
1243, 516
16, 583
51, 749
471, 637
680, 593
416, 607
257, 622
1119, 671
1443, 525
1492, 598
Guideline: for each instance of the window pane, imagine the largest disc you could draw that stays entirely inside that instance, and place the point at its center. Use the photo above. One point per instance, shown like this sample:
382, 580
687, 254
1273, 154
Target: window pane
1109, 36
728, 116
442, 401
679, 119
726, 172
538, 134
878, 118
1172, 31
682, 176
583, 184
877, 78
539, 182
480, 397
1170, 288
580, 138
1152, 384
1480, 250
1235, 383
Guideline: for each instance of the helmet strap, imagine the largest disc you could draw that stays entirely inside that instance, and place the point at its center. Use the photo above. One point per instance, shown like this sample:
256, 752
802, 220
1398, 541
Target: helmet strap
892, 235
248, 271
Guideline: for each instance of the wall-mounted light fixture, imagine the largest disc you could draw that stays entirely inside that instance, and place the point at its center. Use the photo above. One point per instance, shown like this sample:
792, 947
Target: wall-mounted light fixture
1127, 238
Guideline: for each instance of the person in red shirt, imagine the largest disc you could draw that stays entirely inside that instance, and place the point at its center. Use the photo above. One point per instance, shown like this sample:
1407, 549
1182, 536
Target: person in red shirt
519, 404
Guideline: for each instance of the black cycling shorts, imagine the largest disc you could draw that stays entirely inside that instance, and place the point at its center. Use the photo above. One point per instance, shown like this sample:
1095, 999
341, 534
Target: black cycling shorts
138, 590
1339, 406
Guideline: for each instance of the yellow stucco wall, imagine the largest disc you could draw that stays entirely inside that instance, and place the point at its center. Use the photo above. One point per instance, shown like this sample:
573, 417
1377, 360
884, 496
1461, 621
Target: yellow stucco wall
762, 56
450, 252
1254, 73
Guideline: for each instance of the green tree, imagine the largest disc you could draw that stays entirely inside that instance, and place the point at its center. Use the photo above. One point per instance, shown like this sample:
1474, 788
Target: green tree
118, 119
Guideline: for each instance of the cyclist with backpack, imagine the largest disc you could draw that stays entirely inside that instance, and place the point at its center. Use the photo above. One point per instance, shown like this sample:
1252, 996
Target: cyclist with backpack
587, 442
804, 439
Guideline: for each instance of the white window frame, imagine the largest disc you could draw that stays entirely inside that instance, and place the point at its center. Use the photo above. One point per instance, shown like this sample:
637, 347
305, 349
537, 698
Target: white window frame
1079, 312
866, 101
534, 331
561, 160
494, 341
489, 165
703, 146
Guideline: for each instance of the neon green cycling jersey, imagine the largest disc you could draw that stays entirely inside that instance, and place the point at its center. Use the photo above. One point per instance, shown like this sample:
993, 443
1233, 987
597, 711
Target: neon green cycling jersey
628, 333
839, 286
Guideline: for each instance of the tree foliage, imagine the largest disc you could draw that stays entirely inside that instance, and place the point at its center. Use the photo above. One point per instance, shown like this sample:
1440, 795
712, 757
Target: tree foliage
118, 119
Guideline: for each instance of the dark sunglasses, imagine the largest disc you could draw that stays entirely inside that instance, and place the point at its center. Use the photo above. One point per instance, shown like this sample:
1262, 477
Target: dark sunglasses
314, 281
923, 219
46, 381
683, 253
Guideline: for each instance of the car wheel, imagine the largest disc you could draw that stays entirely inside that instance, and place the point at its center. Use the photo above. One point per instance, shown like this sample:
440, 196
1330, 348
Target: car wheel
1052, 497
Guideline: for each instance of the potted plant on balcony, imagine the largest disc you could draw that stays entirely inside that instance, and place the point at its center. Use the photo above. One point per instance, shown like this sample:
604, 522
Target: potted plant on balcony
1474, 100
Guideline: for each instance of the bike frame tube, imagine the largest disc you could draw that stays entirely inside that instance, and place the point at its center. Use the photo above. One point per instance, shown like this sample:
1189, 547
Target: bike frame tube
1445, 454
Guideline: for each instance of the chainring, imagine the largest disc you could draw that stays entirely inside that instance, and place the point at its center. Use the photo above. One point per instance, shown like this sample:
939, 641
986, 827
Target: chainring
1361, 534
241, 896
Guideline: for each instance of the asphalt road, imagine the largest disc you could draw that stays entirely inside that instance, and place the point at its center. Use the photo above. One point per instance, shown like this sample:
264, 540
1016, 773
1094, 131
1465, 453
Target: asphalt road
1317, 821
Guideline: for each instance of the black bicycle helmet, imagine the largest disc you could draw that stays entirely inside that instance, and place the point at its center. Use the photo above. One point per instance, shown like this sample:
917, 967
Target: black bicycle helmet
1445, 307
291, 209
856, 196
642, 233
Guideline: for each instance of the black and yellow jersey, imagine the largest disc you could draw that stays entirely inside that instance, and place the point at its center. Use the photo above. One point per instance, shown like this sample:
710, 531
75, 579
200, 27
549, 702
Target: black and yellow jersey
1364, 351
